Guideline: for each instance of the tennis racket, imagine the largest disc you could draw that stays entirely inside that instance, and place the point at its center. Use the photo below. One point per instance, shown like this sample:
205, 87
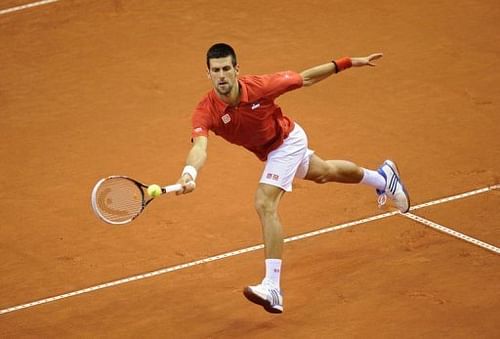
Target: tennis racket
118, 199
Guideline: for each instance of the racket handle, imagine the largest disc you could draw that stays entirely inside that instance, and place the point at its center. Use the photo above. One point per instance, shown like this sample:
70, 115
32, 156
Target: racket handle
172, 188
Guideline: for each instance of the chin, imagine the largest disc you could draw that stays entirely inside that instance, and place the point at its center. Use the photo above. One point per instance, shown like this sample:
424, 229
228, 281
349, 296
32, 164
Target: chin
223, 92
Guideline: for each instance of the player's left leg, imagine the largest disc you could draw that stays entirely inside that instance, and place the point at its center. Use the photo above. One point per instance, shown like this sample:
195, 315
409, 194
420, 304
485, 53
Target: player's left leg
323, 171
386, 180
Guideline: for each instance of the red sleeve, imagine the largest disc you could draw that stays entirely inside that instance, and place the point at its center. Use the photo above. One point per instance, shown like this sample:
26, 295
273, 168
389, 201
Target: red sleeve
274, 85
201, 120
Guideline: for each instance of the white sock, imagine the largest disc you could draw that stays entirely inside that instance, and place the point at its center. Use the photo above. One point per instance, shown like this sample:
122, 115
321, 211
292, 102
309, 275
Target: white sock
373, 178
273, 271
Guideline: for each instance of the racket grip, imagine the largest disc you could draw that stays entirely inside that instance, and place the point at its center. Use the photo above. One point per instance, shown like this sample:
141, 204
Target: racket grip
172, 188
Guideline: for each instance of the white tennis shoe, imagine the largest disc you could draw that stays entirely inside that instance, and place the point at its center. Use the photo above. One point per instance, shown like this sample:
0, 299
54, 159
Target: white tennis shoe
394, 187
265, 295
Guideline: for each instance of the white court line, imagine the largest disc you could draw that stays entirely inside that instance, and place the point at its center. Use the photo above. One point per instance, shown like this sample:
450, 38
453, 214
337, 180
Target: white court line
455, 197
22, 7
453, 233
189, 264
234, 253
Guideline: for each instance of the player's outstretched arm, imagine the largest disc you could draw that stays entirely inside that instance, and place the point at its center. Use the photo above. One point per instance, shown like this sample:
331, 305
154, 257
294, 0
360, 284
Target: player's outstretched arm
195, 160
315, 74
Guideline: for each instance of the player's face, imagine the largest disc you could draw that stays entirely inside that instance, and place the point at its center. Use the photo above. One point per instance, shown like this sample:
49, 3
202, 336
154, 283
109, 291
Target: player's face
223, 74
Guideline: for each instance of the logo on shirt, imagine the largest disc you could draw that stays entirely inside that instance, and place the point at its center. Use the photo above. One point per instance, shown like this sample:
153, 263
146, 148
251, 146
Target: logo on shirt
198, 130
255, 106
226, 118
272, 176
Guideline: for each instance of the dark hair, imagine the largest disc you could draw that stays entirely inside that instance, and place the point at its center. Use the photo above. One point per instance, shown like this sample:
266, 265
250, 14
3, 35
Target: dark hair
221, 50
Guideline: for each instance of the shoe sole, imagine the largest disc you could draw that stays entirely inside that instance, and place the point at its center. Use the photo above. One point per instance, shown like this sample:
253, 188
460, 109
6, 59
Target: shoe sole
394, 167
248, 293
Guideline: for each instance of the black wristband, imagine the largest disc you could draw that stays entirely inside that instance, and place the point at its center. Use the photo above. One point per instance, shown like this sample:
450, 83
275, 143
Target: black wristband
336, 67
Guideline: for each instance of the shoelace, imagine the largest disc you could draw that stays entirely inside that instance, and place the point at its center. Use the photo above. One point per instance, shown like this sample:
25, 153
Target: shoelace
269, 285
382, 199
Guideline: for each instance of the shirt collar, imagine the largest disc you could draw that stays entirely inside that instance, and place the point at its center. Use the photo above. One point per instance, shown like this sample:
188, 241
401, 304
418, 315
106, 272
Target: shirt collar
243, 91
222, 105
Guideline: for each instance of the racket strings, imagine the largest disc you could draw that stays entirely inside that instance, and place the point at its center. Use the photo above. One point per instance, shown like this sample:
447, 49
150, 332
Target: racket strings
119, 199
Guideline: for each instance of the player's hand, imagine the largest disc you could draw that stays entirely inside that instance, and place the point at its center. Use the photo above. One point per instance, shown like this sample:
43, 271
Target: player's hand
366, 61
187, 183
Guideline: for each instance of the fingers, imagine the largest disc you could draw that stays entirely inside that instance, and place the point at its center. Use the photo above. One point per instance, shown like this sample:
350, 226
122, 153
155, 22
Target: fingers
366, 61
188, 185
373, 57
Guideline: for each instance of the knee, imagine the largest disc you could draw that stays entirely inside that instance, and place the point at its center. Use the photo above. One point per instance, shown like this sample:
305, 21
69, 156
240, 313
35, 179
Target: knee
325, 174
322, 179
319, 170
264, 206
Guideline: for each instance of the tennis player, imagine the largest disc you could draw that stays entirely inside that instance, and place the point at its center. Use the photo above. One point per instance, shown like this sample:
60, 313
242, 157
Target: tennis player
241, 109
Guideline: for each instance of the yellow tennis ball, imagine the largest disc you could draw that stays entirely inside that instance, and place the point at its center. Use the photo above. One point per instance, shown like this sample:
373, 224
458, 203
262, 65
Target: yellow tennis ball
154, 191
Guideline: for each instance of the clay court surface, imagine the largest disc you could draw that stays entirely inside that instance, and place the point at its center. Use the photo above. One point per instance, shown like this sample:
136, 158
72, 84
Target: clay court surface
94, 88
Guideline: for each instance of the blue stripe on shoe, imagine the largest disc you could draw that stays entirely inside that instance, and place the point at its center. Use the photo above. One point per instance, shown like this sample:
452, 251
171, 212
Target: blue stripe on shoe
393, 184
382, 173
275, 297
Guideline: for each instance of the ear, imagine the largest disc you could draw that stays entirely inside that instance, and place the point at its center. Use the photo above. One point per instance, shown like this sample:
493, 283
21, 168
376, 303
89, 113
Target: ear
237, 68
208, 73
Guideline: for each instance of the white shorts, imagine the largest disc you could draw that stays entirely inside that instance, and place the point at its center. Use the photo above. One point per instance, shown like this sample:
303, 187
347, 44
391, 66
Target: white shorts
289, 161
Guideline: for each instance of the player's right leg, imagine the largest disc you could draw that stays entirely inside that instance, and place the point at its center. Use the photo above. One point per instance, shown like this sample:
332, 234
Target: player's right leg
268, 292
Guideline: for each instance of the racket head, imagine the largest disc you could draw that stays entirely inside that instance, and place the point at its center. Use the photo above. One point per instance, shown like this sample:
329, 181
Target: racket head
118, 199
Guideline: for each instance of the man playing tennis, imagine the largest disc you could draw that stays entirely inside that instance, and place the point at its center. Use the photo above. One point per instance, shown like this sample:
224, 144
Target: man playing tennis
242, 111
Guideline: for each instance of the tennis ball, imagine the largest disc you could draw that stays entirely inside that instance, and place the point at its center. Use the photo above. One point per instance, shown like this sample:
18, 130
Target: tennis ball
154, 191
